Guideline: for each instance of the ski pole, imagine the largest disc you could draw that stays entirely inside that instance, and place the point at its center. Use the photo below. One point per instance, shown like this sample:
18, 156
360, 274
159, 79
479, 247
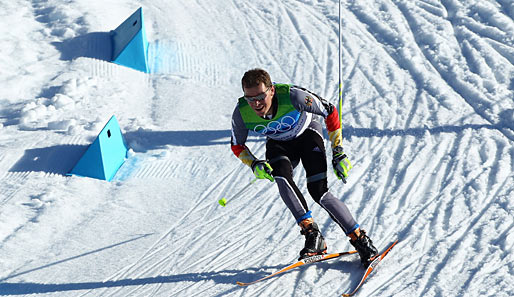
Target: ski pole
223, 201
340, 79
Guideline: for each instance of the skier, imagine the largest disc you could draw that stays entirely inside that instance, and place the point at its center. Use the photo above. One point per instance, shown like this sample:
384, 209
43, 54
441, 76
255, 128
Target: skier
290, 118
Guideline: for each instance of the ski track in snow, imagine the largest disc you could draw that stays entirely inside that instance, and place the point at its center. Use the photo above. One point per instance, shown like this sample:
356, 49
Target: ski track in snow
428, 118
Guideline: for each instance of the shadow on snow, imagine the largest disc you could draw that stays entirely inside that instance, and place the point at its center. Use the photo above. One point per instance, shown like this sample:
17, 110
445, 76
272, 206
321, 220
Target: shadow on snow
220, 277
349, 131
60, 159
96, 45
228, 277
144, 140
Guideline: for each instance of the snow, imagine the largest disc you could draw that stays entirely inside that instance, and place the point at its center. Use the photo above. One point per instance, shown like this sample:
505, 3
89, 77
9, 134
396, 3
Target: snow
428, 121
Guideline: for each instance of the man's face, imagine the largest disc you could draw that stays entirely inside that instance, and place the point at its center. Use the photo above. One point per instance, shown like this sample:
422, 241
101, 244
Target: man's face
260, 98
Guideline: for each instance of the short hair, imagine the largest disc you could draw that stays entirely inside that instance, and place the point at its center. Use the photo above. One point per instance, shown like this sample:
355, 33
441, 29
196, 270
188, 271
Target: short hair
254, 77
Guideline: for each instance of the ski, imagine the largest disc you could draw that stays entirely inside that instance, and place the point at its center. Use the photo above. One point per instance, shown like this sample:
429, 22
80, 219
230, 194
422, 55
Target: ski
370, 268
308, 260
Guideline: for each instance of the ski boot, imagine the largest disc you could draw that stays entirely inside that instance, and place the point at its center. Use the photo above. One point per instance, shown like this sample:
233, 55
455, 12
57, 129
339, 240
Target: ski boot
314, 241
364, 246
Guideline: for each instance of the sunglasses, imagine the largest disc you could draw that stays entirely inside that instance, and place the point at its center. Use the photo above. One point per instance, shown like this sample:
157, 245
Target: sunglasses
259, 97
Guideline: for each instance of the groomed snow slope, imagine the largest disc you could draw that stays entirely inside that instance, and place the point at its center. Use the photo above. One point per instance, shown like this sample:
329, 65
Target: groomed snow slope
428, 121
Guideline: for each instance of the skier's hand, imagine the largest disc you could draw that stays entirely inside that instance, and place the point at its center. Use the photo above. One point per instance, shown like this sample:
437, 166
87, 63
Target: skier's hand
340, 163
262, 170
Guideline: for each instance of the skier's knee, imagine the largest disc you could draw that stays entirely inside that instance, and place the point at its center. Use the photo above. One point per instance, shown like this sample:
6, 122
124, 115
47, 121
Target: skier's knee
317, 188
281, 167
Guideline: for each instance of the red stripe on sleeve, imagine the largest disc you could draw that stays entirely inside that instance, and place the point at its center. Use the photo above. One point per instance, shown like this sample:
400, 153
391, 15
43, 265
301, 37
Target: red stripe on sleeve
237, 149
332, 121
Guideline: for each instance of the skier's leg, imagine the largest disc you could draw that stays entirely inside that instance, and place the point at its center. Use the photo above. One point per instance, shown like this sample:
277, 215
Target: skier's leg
315, 164
314, 161
282, 157
282, 160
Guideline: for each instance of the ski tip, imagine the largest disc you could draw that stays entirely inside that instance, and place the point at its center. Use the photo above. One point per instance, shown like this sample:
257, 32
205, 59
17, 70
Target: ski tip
371, 267
393, 244
242, 284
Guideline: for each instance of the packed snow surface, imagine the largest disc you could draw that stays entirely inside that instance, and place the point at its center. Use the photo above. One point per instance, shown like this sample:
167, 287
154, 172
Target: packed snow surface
428, 122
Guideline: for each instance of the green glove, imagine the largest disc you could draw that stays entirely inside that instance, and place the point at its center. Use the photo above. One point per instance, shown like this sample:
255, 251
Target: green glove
340, 163
262, 170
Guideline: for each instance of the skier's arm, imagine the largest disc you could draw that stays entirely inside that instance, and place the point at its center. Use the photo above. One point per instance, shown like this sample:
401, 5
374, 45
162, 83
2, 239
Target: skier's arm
334, 126
310, 102
238, 139
261, 169
243, 153
304, 100
340, 161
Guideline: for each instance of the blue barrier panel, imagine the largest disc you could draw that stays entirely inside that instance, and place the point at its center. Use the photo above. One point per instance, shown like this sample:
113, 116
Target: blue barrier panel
105, 155
129, 43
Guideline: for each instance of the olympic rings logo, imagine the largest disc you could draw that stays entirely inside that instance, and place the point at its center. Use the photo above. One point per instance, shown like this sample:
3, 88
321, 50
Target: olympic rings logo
286, 123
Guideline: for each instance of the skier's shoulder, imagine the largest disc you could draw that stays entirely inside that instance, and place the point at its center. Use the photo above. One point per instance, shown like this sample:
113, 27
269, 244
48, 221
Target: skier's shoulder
237, 118
302, 98
235, 111
301, 91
